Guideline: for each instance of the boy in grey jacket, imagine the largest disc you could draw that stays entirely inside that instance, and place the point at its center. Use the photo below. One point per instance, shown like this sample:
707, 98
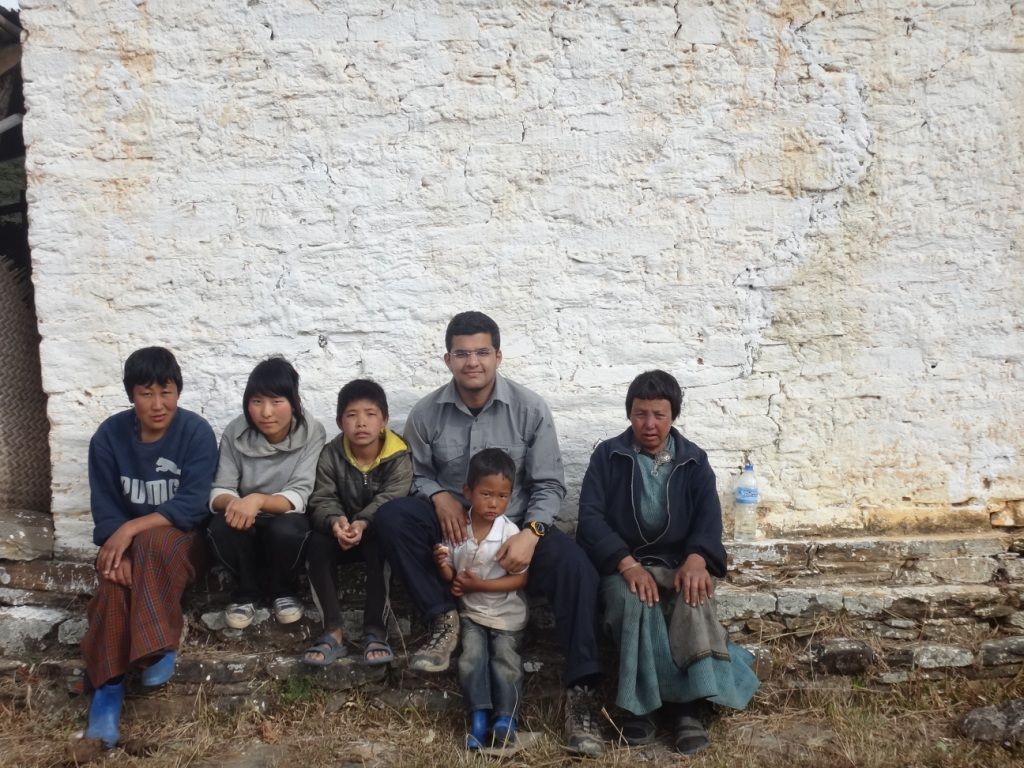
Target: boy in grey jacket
360, 469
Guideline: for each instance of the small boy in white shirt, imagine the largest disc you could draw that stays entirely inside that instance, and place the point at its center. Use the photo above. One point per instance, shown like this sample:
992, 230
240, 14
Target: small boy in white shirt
492, 611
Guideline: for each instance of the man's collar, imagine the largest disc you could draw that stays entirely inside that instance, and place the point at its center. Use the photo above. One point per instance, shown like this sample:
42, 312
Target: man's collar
501, 392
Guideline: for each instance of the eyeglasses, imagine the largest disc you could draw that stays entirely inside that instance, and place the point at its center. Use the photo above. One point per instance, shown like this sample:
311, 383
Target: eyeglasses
480, 354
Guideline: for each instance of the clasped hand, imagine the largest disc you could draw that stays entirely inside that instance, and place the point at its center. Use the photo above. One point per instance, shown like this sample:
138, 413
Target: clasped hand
465, 582
241, 513
348, 534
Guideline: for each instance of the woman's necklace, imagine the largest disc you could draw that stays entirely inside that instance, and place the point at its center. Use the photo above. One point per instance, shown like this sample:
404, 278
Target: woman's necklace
661, 458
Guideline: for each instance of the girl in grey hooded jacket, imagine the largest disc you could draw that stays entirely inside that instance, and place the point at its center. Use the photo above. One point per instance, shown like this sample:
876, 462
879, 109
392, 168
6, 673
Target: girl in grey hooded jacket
264, 477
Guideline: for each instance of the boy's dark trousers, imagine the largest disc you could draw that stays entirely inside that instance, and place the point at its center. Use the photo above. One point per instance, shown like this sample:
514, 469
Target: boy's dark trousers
560, 572
323, 556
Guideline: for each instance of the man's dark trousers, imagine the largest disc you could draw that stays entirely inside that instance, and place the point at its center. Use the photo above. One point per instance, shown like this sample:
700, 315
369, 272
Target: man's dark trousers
560, 571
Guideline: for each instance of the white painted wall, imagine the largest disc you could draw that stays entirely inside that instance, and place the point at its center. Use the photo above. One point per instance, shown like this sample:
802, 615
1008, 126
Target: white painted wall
809, 212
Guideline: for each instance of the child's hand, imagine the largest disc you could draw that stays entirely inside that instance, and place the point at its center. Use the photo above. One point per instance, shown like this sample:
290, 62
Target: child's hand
352, 535
440, 555
465, 582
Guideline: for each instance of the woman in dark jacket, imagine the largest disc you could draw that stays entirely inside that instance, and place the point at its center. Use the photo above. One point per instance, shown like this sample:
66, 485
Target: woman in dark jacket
651, 522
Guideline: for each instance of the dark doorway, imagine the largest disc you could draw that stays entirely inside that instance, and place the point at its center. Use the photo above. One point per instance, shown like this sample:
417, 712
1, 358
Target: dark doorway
24, 429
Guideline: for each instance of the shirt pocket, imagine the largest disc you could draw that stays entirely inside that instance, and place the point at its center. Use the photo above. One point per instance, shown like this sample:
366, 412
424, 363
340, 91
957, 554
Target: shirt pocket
517, 452
448, 451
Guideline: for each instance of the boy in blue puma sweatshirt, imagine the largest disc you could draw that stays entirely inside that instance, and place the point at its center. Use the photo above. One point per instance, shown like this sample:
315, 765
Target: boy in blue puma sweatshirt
150, 472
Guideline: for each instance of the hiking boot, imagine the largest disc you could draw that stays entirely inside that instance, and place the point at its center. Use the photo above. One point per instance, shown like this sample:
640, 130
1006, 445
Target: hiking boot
436, 653
582, 736
239, 615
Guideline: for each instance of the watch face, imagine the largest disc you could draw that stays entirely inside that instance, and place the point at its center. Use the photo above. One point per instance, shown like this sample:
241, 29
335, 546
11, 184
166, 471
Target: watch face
538, 528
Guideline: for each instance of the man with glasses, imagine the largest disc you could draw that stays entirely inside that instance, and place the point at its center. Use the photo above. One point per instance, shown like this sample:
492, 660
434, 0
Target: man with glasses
480, 409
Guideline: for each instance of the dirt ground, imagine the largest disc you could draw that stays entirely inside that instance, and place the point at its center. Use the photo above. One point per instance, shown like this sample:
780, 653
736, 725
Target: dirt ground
833, 722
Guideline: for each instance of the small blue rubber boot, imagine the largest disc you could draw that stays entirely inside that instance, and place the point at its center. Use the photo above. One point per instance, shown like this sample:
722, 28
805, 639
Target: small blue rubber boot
105, 714
504, 731
160, 671
477, 736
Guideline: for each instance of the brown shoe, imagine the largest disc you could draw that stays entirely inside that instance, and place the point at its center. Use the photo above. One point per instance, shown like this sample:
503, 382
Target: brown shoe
436, 653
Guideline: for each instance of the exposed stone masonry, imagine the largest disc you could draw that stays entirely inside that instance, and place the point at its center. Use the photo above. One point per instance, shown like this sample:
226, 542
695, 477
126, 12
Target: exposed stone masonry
886, 630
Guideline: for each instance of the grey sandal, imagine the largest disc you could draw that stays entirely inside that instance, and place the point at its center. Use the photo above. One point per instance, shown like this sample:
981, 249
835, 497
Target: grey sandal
377, 651
330, 649
689, 735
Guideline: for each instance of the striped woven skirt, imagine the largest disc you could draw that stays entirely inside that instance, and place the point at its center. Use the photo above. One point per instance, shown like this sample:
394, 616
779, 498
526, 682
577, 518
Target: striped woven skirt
127, 625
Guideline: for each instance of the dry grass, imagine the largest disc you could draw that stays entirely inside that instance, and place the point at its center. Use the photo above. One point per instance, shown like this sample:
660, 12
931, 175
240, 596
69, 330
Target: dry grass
830, 722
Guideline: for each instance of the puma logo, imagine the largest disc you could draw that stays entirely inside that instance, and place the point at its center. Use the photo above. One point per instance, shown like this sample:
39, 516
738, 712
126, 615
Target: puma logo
166, 465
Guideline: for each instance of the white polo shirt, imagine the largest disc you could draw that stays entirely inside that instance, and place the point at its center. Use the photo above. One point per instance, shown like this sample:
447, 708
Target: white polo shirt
498, 610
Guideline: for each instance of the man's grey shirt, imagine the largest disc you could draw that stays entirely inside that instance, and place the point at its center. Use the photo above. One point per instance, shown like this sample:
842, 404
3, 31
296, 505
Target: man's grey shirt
443, 435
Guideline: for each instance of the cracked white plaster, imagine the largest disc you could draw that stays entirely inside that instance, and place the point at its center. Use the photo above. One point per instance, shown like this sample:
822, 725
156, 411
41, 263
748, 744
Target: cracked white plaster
810, 213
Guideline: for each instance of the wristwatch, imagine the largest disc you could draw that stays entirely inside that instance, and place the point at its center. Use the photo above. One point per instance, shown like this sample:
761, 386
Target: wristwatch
539, 529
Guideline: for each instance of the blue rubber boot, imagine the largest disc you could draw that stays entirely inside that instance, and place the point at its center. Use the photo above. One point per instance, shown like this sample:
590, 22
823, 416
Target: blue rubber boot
160, 672
105, 714
477, 737
503, 731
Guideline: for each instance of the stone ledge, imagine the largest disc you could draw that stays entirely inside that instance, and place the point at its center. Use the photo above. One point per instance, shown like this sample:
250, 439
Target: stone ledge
25, 534
59, 576
912, 602
930, 559
933, 612
970, 558
1002, 657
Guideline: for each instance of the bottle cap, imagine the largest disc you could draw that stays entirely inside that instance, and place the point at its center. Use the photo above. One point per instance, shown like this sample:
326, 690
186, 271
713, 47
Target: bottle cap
747, 466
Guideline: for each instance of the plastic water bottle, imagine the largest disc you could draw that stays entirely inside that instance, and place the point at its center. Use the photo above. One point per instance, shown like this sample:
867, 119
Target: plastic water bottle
745, 511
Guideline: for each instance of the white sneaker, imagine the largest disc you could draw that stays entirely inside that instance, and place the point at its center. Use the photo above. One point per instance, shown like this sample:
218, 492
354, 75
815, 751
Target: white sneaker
239, 615
287, 610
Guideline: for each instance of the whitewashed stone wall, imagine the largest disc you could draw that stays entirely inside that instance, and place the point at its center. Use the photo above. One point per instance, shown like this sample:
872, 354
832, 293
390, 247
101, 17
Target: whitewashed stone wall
809, 212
